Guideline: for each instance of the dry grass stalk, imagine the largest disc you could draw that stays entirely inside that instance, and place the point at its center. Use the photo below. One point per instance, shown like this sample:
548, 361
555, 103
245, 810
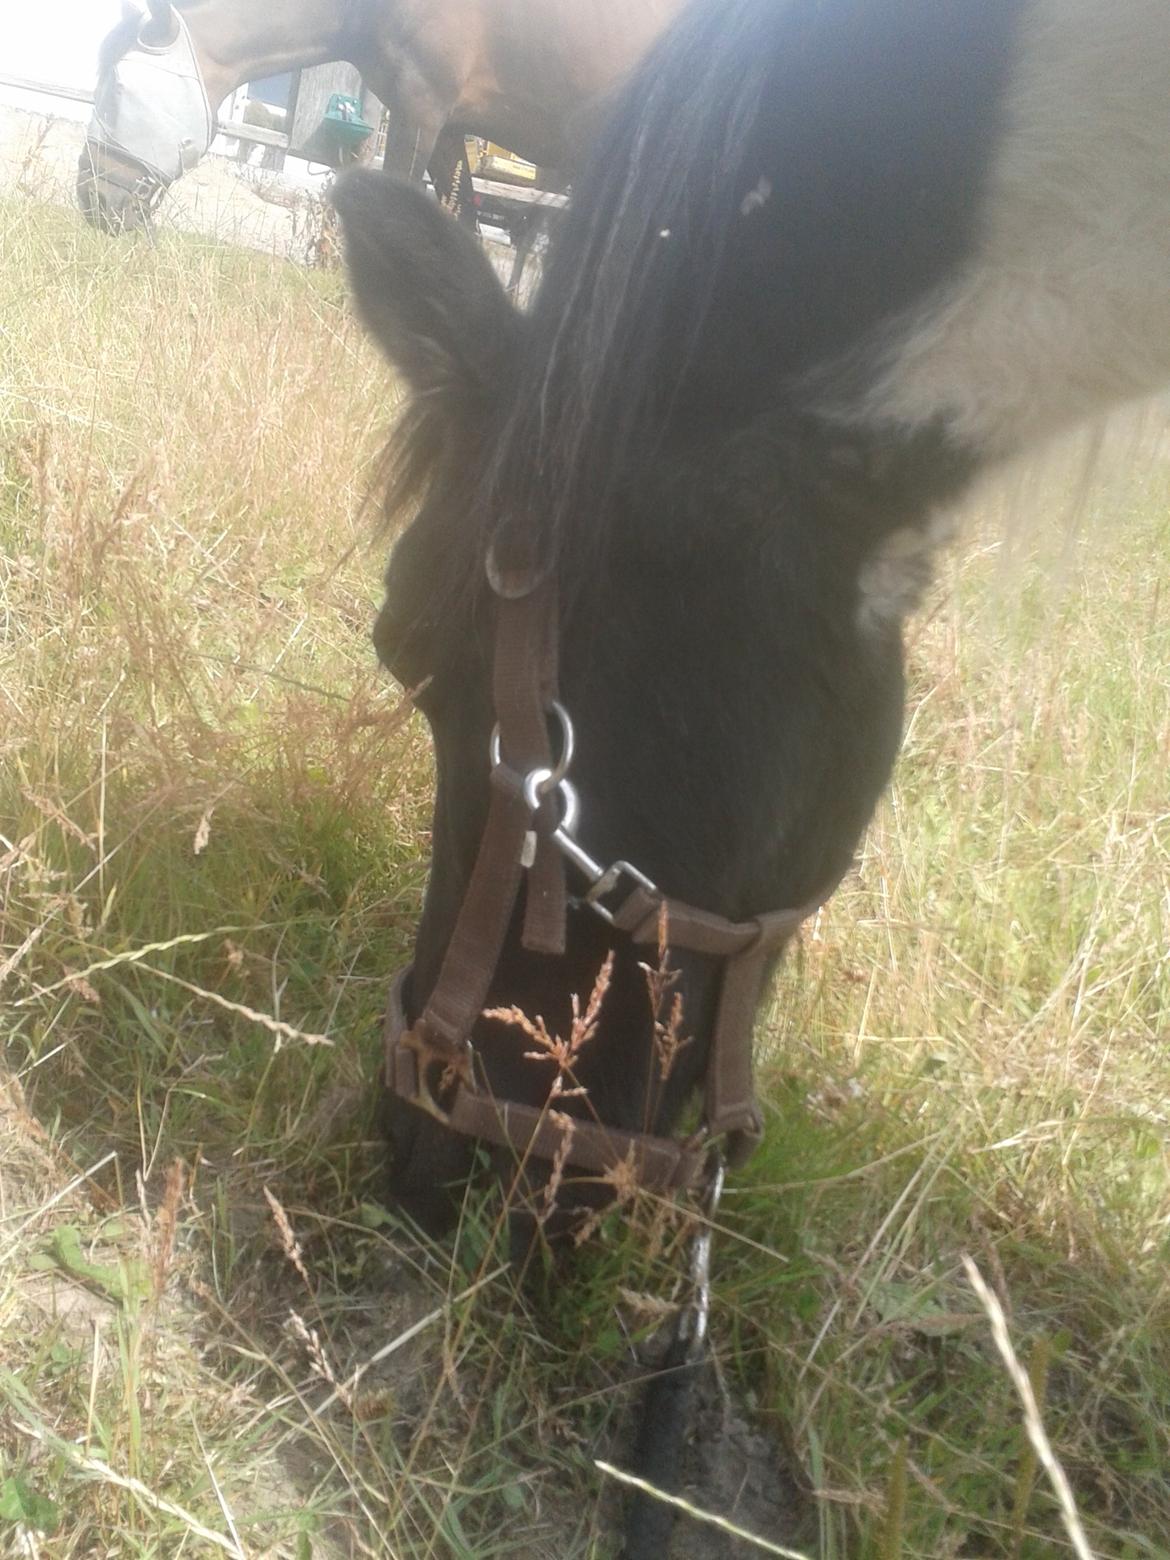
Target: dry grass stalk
82, 988
660, 979
166, 1224
131, 956
551, 1048
49, 809
275, 1026
319, 1359
291, 1245
732, 1529
94, 1468
24, 182
623, 1178
1033, 1424
21, 952
203, 832
568, 1128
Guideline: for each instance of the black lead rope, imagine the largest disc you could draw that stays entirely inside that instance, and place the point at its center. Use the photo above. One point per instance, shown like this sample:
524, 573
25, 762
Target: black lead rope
658, 1451
666, 1407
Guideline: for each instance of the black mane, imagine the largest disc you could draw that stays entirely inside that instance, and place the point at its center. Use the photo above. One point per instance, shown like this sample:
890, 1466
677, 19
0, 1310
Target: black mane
776, 179
631, 277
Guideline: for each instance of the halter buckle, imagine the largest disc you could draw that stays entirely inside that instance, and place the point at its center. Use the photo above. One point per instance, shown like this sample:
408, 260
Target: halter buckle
422, 1056
609, 880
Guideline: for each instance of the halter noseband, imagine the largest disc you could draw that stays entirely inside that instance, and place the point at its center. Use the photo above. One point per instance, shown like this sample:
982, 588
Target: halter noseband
524, 838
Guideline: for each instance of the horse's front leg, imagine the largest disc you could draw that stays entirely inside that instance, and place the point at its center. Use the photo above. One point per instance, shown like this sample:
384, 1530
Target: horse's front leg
451, 174
410, 141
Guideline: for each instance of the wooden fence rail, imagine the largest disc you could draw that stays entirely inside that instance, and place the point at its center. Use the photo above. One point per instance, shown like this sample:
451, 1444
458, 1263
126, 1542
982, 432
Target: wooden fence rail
238, 132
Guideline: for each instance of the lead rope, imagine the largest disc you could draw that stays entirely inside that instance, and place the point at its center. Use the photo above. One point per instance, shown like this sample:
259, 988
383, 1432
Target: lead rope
666, 1407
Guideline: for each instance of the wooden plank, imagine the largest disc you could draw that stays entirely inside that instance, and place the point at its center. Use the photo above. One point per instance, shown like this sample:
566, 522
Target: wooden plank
76, 95
518, 194
49, 88
257, 133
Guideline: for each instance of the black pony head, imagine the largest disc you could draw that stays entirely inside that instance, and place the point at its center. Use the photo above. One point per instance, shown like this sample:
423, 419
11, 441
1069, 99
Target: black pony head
730, 651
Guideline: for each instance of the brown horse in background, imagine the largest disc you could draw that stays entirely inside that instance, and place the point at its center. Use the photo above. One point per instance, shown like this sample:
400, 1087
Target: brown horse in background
528, 74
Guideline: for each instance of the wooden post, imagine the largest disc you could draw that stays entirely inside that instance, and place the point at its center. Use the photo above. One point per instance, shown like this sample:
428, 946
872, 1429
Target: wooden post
316, 86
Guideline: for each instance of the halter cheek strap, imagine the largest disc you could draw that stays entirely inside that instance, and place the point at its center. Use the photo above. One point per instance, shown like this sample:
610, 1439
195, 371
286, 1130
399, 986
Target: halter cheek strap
431, 1063
152, 108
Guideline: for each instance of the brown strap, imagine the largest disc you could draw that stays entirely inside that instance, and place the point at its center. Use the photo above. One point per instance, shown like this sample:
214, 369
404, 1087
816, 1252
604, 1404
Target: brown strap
524, 685
698, 931
731, 1110
472, 954
662, 1164
524, 675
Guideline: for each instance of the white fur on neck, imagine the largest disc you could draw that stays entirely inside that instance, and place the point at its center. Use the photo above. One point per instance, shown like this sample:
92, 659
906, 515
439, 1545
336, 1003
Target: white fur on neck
898, 573
1064, 307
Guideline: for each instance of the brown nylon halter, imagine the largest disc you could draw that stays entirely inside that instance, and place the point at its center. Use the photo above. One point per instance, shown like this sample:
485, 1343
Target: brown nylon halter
523, 836
127, 174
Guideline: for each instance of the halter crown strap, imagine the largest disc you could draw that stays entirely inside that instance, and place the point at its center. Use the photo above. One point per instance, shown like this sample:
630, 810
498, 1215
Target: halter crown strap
524, 683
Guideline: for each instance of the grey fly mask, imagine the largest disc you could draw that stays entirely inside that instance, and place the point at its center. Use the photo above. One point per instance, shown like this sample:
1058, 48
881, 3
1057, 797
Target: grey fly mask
152, 108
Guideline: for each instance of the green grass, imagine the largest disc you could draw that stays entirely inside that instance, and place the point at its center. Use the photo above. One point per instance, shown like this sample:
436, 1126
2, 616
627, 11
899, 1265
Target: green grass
207, 791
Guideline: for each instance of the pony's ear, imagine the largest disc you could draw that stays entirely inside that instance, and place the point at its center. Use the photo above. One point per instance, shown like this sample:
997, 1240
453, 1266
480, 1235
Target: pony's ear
424, 287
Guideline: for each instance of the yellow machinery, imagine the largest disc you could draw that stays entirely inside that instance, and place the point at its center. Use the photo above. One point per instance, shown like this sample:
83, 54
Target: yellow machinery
489, 161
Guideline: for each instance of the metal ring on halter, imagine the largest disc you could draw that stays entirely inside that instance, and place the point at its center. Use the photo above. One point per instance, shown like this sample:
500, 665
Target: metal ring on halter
539, 782
571, 802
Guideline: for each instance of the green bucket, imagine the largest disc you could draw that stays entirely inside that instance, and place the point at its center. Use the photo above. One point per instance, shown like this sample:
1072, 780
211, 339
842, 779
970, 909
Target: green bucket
343, 121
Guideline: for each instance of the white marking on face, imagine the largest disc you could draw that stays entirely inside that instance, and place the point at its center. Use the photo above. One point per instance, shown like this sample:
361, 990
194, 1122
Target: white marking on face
756, 198
896, 576
1064, 307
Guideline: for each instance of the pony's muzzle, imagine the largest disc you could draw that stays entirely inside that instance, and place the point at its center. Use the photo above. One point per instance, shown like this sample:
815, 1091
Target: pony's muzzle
110, 207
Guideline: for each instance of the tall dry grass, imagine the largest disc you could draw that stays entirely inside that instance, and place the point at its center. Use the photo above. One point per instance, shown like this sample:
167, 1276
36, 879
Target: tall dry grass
214, 836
